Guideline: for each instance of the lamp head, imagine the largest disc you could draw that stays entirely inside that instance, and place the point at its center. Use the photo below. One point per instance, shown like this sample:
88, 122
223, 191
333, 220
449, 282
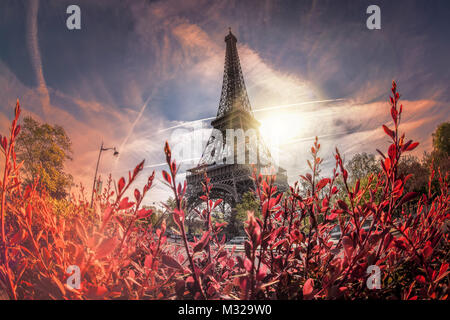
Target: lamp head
116, 153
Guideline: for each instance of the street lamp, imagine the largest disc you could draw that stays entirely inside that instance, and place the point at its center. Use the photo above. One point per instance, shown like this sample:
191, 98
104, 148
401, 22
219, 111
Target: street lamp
116, 153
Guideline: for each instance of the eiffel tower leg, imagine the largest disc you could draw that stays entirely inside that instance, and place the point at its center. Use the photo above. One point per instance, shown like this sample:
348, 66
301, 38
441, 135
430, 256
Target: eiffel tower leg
235, 191
231, 228
223, 205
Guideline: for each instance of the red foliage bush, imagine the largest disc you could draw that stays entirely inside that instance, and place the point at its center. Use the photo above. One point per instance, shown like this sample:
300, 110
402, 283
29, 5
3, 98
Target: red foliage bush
288, 254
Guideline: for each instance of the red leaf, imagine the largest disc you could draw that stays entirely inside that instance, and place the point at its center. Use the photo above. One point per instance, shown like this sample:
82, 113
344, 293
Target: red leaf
427, 251
392, 151
29, 213
4, 143
356, 186
219, 201
144, 213
387, 163
334, 190
148, 261
348, 246
412, 146
308, 288
107, 214
124, 204
342, 205
171, 262
279, 243
106, 247
59, 284
202, 243
345, 175
442, 272
247, 265
16, 131
17, 109
138, 168
421, 279
121, 184
394, 114
324, 205
387, 240
407, 197
322, 183
95, 292
389, 132
173, 167
331, 216
406, 145
137, 194
262, 272
243, 283
167, 177
167, 151
180, 287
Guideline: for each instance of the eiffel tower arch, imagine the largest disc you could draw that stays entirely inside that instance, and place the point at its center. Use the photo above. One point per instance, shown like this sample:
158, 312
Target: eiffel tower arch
235, 146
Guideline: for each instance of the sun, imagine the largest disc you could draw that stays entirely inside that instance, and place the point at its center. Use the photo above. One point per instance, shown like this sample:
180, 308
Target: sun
280, 127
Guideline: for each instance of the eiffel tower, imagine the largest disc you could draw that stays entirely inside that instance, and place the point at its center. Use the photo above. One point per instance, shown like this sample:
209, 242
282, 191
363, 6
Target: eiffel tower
235, 145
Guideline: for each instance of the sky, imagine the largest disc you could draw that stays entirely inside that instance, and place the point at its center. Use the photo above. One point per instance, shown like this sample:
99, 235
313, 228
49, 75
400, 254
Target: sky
137, 68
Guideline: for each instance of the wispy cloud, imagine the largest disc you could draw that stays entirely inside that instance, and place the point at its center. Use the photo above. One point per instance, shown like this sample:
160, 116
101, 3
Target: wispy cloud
33, 43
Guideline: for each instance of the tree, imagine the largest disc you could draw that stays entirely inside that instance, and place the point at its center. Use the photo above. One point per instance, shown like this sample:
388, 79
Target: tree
239, 215
360, 167
167, 213
248, 203
441, 148
44, 150
419, 173
441, 139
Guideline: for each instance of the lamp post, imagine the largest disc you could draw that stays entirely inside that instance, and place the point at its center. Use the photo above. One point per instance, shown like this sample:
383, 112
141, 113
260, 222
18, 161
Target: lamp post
116, 153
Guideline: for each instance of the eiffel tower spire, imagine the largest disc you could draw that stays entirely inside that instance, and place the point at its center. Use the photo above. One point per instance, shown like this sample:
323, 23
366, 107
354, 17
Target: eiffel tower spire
234, 94
234, 112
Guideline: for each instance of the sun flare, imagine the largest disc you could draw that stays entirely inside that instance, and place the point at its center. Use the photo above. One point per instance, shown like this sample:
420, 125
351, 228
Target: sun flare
278, 127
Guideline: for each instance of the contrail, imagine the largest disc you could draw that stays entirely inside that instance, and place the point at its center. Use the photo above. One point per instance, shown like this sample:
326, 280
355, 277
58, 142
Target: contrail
165, 163
319, 136
186, 124
132, 128
296, 104
255, 110
36, 61
330, 135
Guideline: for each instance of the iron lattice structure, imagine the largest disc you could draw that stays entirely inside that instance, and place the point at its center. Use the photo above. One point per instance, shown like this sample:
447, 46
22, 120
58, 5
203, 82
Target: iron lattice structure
230, 155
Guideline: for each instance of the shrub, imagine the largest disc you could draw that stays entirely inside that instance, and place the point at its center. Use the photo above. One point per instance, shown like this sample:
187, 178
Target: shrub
288, 254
